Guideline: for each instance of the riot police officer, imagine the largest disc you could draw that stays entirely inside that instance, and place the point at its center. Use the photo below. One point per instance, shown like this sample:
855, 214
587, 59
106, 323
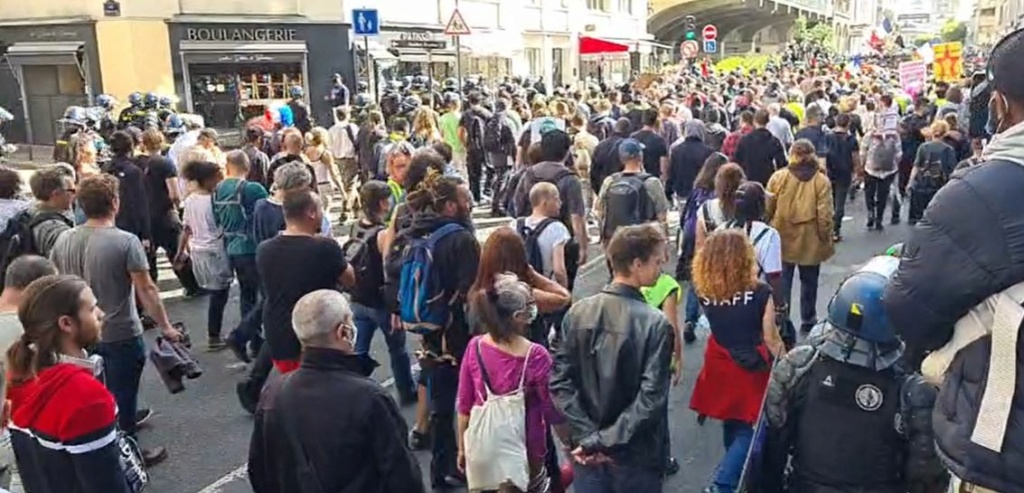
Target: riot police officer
74, 124
129, 114
300, 112
165, 108
108, 123
842, 412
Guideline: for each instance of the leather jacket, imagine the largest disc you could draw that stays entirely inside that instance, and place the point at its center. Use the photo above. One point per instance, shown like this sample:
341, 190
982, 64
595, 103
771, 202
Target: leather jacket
611, 376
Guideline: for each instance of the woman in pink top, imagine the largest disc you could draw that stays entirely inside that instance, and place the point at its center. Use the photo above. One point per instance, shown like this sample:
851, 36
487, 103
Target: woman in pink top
507, 309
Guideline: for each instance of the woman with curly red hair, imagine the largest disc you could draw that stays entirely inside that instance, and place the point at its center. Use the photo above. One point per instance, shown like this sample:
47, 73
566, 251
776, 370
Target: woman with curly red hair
733, 380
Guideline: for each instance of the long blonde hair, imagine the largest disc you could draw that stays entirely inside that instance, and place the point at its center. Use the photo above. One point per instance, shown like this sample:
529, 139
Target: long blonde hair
425, 124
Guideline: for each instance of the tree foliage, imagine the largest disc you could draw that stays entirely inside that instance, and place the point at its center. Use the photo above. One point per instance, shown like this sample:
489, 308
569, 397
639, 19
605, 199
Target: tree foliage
818, 33
953, 31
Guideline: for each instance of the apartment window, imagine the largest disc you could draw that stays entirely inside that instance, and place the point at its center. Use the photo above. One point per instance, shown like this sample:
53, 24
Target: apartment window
533, 60
989, 12
625, 6
597, 5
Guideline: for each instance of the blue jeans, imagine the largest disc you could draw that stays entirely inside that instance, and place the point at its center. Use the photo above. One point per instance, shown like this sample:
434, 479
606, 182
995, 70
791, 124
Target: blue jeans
123, 362
692, 310
736, 436
615, 478
367, 320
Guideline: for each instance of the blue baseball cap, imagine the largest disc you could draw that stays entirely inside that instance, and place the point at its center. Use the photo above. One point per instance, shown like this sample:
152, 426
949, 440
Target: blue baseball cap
631, 149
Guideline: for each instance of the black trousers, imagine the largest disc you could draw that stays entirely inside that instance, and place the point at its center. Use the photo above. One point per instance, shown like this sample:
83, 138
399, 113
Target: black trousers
876, 195
166, 231
474, 170
808, 291
442, 388
919, 201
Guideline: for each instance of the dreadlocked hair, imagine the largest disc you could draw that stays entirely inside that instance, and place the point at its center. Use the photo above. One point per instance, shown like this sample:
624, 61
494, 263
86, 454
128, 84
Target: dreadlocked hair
434, 192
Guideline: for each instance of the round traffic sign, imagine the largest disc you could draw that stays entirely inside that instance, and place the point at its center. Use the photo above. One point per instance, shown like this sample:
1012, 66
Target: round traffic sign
689, 48
710, 31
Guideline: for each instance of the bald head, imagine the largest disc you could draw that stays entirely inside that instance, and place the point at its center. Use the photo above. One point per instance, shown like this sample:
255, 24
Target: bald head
541, 192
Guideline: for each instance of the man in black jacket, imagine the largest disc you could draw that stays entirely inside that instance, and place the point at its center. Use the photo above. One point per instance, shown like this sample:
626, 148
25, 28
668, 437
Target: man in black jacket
133, 215
958, 292
616, 399
759, 153
359, 445
686, 159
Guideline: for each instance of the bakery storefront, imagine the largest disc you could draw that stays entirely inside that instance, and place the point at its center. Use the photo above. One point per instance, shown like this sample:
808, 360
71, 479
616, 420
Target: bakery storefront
230, 73
43, 70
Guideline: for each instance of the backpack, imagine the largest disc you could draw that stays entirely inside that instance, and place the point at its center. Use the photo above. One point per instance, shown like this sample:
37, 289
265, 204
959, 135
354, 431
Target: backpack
423, 307
600, 126
530, 238
475, 134
234, 201
358, 254
17, 238
626, 202
521, 201
498, 136
495, 439
932, 176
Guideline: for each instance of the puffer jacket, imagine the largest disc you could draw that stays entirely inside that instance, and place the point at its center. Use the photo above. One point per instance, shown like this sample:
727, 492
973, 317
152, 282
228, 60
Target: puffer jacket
800, 208
964, 261
611, 376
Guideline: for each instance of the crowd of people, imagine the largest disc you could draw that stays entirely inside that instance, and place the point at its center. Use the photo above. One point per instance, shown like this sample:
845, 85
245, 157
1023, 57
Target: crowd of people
521, 387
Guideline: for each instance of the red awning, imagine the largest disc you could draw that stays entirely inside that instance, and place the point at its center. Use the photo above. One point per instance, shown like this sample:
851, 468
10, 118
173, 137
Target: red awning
598, 46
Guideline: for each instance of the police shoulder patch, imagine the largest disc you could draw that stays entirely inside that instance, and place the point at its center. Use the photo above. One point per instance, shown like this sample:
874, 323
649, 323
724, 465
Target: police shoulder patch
869, 397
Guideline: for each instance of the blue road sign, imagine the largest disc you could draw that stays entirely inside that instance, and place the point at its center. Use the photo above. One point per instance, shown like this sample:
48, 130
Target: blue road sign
365, 22
710, 45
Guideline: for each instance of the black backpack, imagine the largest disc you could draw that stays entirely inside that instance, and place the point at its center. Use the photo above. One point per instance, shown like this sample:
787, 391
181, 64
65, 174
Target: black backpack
600, 126
475, 134
498, 136
932, 175
626, 203
17, 238
530, 238
368, 268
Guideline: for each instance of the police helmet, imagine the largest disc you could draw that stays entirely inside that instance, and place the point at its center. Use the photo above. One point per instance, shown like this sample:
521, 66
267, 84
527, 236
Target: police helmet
135, 98
106, 101
76, 114
151, 99
451, 84
166, 102
362, 86
295, 92
362, 100
857, 307
412, 101
175, 124
421, 80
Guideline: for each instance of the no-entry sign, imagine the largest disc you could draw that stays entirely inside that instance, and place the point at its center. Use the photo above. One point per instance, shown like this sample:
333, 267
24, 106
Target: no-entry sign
710, 32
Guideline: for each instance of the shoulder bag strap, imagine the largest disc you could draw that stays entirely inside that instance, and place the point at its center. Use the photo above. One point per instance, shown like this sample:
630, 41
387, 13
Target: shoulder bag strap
526, 365
483, 370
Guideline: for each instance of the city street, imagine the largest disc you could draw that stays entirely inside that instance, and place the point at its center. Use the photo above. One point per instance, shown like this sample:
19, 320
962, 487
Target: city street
207, 433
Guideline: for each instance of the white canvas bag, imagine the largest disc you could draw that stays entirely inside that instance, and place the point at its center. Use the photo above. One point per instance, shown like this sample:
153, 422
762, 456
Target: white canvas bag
495, 440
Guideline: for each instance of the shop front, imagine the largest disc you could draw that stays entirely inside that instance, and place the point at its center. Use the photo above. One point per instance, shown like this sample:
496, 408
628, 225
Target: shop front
604, 60
416, 51
230, 73
43, 70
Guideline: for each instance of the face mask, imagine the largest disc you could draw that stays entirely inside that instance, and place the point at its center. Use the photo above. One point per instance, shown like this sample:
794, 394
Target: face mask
531, 313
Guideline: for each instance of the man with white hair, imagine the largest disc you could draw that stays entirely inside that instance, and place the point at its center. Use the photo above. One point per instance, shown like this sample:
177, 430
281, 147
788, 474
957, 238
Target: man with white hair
359, 444
778, 126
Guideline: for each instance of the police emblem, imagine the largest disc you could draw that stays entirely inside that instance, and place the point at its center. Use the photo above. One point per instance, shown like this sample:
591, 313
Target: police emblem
868, 397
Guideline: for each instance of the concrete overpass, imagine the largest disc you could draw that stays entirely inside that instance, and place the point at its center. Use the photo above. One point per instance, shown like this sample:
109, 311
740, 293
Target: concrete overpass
743, 25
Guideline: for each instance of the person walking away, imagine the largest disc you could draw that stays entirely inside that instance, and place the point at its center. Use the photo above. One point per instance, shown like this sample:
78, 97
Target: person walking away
841, 163
703, 191
880, 169
759, 153
778, 126
848, 380
731, 143
816, 132
449, 123
324, 171
424, 128
234, 201
363, 253
346, 156
555, 146
911, 130
955, 298
544, 235
292, 143
716, 133
605, 160
134, 216
472, 125
162, 195
203, 242
977, 150
500, 145
55, 394
744, 339
669, 131
504, 362
114, 263
800, 209
359, 446
630, 197
259, 162
370, 135
933, 164
631, 386
686, 160
286, 274
654, 146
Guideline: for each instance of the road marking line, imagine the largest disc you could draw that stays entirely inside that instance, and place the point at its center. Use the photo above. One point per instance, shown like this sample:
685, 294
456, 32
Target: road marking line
238, 474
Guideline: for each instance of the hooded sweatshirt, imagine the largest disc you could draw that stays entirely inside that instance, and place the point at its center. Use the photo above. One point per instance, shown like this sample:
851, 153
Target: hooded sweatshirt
759, 153
63, 432
801, 209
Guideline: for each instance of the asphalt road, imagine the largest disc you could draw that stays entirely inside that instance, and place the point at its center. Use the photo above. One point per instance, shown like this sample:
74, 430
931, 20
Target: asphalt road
207, 433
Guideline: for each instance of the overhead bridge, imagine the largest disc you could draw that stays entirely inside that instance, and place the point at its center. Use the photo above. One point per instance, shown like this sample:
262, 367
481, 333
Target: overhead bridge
743, 25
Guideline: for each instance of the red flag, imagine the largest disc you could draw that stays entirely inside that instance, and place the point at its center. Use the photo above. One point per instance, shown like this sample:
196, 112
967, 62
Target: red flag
875, 41
704, 68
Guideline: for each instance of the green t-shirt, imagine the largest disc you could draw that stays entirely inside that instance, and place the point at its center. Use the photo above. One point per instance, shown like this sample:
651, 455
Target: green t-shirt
665, 287
233, 213
450, 130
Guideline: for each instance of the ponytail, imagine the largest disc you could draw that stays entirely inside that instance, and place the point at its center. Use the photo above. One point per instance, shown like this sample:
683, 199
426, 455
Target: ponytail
20, 358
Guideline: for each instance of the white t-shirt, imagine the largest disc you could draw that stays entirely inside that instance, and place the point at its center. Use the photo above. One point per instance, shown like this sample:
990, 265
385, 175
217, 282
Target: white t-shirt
198, 216
554, 234
768, 248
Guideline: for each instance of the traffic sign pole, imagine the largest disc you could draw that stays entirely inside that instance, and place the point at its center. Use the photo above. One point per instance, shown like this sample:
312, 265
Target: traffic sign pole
366, 23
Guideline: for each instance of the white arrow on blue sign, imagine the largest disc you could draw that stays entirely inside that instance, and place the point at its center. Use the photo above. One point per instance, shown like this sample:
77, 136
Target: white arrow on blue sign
365, 22
710, 45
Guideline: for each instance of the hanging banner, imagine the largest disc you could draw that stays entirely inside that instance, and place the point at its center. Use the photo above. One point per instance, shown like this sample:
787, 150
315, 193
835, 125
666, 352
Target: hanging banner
913, 76
948, 65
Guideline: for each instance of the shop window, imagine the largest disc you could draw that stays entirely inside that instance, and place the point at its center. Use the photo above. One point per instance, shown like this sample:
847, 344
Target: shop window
491, 68
533, 61
227, 95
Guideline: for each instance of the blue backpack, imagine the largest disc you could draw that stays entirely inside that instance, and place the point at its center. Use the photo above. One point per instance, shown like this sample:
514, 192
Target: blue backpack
423, 306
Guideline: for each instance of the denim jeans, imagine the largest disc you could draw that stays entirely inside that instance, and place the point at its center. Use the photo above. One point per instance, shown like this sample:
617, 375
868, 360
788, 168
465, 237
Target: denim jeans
840, 190
367, 320
692, 310
442, 387
244, 267
808, 291
736, 436
123, 362
615, 478
249, 326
